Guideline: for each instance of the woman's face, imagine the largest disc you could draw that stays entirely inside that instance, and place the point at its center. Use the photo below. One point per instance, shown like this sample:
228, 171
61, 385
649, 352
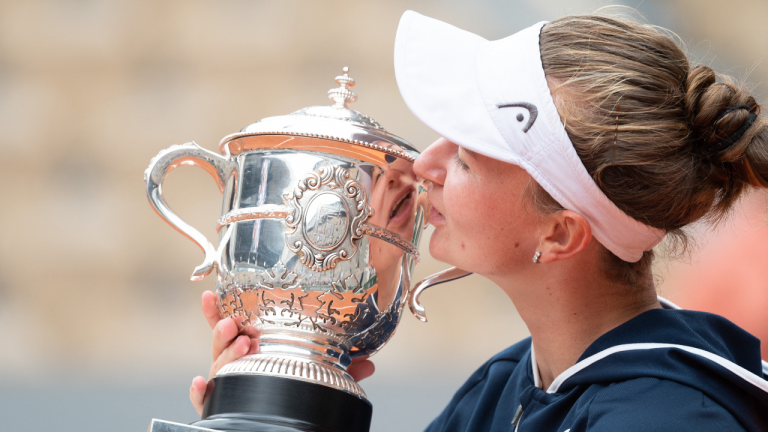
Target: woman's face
481, 221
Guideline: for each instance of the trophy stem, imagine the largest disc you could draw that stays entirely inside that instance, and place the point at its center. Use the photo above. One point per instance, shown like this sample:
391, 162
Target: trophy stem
296, 368
262, 403
300, 354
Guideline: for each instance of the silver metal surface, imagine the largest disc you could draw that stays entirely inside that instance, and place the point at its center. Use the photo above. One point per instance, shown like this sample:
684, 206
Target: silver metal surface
219, 167
391, 238
295, 368
342, 96
321, 221
252, 213
444, 276
282, 212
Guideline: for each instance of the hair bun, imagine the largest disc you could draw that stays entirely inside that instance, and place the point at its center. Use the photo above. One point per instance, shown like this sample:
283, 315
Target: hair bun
728, 137
736, 135
716, 110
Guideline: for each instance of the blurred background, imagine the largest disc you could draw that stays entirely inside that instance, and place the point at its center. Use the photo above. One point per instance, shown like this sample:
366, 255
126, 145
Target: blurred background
100, 328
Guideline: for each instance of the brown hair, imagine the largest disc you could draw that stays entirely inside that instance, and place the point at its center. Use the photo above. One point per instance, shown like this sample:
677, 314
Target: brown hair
643, 122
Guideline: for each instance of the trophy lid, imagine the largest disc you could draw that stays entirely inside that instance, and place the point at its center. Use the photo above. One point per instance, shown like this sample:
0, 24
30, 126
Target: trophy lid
335, 122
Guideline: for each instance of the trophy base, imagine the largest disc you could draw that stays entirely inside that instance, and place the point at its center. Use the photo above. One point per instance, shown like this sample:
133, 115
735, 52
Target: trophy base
263, 403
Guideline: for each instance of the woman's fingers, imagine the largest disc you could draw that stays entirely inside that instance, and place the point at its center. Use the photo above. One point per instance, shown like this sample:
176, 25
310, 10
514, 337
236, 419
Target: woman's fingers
237, 349
210, 310
229, 344
197, 393
252, 333
361, 369
224, 332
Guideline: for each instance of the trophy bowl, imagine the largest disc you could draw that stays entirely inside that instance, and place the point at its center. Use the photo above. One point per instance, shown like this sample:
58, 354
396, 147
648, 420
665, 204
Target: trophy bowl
321, 221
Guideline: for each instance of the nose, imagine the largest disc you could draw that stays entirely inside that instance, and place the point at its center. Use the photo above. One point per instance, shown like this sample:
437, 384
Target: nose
391, 177
432, 164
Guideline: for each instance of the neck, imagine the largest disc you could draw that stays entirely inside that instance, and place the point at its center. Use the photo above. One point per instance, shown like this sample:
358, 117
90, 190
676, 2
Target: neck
567, 308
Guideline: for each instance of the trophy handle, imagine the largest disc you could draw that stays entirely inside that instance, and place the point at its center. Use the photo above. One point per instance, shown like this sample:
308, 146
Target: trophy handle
451, 274
217, 166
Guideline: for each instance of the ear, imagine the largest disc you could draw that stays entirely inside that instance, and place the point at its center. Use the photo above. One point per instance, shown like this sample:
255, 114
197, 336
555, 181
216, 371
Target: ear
563, 235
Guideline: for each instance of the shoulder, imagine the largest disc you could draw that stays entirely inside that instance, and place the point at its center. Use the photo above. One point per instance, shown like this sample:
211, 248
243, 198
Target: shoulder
497, 367
652, 404
473, 405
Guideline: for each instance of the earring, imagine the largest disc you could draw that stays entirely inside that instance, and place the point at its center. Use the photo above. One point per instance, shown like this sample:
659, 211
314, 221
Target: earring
536, 258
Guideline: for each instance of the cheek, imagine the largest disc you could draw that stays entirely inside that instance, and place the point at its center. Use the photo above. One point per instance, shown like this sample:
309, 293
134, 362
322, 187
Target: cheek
488, 225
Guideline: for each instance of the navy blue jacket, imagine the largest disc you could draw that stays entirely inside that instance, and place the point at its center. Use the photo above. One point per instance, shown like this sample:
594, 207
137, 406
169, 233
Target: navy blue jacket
664, 370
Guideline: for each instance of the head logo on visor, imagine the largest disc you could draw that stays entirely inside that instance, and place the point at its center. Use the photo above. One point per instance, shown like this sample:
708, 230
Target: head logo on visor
492, 97
532, 113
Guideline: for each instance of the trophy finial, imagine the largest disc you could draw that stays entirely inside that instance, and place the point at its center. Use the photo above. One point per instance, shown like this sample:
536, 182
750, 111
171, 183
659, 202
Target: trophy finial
342, 96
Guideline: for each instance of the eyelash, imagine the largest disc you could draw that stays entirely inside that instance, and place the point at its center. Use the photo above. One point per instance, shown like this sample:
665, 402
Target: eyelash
460, 162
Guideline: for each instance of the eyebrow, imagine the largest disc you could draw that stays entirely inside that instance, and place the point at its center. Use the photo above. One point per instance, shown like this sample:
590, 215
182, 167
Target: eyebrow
469, 152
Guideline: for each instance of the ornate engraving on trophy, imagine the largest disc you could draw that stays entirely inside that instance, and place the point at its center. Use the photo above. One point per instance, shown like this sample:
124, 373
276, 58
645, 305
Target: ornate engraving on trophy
230, 304
261, 302
372, 335
328, 208
278, 277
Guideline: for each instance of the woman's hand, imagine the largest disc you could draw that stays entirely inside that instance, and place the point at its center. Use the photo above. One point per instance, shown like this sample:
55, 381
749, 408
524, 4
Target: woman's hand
229, 345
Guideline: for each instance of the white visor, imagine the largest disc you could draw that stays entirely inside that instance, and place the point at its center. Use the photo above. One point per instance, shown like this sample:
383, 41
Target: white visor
491, 97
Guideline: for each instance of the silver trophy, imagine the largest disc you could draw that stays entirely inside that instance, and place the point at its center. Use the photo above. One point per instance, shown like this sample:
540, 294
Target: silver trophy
318, 238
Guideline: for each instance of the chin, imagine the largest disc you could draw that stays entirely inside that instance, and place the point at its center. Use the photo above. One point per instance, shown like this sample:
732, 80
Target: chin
441, 250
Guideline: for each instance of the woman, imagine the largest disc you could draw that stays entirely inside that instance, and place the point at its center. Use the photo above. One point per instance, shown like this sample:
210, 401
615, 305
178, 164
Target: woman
579, 144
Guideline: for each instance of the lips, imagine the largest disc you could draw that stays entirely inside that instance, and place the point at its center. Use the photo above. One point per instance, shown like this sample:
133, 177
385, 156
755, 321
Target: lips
435, 217
400, 207
398, 204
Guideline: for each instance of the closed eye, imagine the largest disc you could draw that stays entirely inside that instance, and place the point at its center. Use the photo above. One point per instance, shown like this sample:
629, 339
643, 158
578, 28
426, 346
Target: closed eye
460, 162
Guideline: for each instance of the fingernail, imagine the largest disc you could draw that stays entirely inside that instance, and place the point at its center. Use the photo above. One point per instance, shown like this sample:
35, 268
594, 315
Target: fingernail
244, 345
222, 325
